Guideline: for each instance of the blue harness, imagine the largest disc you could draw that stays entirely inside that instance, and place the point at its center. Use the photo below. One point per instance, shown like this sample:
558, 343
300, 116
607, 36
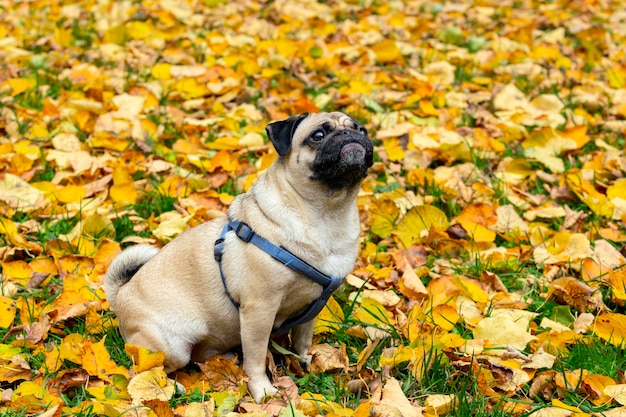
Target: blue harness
329, 284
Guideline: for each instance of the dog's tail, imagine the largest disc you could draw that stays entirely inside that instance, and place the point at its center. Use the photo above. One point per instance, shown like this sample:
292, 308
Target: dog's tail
124, 266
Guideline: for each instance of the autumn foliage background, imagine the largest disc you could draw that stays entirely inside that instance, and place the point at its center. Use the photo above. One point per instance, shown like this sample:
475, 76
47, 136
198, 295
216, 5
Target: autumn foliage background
491, 277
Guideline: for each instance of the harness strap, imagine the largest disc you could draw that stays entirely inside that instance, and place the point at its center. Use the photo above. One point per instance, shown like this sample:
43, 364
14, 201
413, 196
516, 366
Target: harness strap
245, 233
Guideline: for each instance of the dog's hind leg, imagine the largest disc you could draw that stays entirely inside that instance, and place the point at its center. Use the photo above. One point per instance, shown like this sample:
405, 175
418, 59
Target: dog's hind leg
302, 339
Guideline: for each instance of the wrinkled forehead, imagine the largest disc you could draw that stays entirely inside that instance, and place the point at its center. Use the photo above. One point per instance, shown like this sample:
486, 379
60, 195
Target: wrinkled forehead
335, 120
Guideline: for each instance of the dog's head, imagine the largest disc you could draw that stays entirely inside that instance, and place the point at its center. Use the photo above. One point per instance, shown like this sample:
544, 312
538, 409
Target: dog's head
331, 148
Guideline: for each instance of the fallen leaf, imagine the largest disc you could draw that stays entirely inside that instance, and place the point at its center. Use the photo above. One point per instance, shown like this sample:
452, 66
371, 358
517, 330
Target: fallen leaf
151, 385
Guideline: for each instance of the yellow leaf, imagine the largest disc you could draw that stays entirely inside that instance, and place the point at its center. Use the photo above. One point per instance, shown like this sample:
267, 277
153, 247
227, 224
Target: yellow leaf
477, 232
62, 36
18, 193
612, 328
358, 86
471, 289
439, 404
20, 85
140, 30
174, 225
617, 189
124, 193
450, 340
19, 272
597, 384
501, 331
151, 385
144, 359
400, 355
428, 109
161, 71
7, 311
617, 77
109, 141
617, 392
393, 149
393, 395
115, 34
560, 404
311, 404
53, 361
373, 313
7, 227
97, 361
330, 318
578, 134
72, 348
617, 279
596, 201
37, 131
71, 194
417, 222
224, 160
190, 88
97, 227
386, 51
383, 215
445, 316
33, 395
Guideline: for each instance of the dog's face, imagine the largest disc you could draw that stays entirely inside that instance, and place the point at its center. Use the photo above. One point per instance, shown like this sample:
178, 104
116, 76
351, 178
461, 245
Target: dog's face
332, 149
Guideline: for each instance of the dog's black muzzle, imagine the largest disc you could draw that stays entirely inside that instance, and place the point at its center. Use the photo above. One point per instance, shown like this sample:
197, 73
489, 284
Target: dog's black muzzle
343, 159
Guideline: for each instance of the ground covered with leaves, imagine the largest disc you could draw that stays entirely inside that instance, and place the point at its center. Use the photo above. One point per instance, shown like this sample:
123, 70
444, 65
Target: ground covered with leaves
491, 278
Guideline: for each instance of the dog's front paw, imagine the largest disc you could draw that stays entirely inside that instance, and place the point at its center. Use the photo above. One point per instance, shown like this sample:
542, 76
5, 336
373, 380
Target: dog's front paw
305, 361
260, 389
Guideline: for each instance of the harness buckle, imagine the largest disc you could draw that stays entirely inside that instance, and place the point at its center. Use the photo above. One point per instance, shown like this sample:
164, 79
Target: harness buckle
244, 232
218, 249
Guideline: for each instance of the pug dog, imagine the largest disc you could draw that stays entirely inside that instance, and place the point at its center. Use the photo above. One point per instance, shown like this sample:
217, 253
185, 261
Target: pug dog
180, 300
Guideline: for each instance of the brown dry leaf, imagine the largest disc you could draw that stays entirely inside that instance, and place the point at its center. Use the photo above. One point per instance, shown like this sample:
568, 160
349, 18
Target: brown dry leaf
328, 358
411, 285
572, 292
160, 407
223, 374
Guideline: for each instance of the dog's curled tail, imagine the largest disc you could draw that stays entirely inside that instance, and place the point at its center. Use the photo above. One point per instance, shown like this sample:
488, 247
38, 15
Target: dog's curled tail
124, 266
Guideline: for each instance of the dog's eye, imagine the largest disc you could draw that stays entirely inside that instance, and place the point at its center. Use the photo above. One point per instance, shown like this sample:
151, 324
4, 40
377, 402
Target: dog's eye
318, 135
363, 131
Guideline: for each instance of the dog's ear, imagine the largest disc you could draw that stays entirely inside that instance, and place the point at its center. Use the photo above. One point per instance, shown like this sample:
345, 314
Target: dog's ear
281, 133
